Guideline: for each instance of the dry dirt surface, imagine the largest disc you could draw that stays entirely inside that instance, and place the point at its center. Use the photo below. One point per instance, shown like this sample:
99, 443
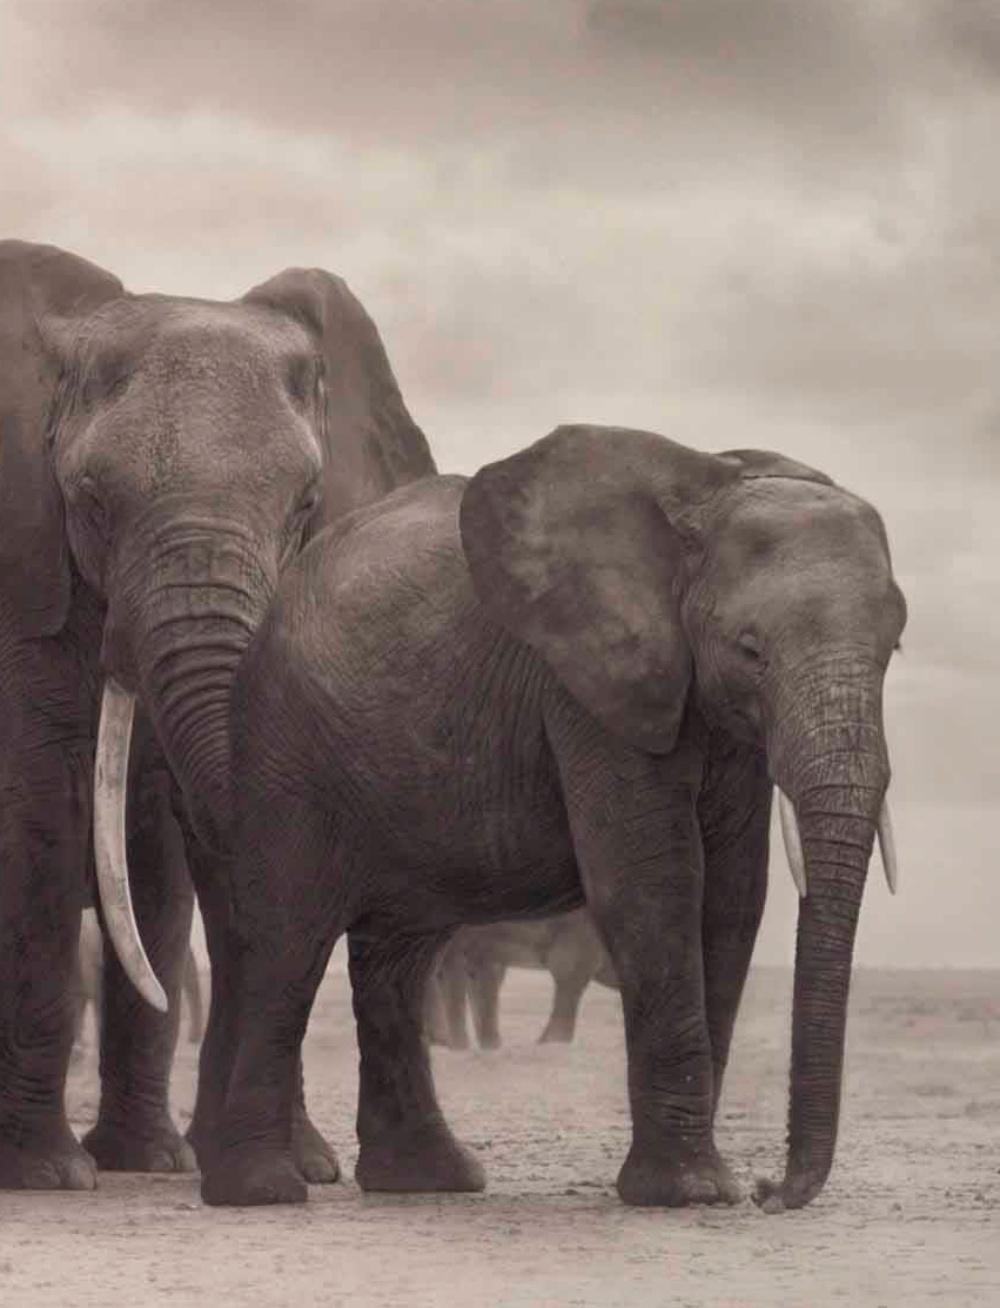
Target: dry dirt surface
910, 1217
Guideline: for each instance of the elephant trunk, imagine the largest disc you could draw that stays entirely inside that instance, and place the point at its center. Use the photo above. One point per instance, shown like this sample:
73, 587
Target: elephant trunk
193, 626
179, 639
837, 779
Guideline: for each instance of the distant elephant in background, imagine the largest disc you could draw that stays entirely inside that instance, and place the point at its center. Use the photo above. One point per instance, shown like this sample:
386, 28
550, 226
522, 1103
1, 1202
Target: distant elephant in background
473, 963
162, 459
575, 678
89, 983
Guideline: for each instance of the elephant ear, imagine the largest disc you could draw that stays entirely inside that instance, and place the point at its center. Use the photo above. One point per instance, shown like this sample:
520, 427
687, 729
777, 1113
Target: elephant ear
43, 293
370, 442
763, 463
578, 545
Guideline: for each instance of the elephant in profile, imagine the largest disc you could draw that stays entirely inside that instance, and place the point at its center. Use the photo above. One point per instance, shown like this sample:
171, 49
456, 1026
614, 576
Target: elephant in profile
162, 459
472, 965
89, 983
574, 678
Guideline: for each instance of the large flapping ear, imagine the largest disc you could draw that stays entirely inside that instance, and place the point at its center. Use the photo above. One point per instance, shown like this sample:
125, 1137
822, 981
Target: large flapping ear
755, 464
43, 291
370, 442
578, 545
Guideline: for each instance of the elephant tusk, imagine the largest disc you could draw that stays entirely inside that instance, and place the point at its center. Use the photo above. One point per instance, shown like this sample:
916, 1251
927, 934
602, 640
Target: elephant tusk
110, 785
887, 848
793, 843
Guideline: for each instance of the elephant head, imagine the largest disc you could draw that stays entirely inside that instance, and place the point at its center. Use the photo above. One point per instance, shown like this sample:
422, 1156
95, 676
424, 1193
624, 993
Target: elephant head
649, 576
170, 455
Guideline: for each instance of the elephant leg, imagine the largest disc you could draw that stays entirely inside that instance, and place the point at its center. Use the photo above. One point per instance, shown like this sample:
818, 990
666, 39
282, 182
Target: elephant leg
734, 812
134, 1131
485, 979
191, 982
435, 1014
269, 944
210, 873
571, 976
636, 836
453, 984
405, 1143
45, 784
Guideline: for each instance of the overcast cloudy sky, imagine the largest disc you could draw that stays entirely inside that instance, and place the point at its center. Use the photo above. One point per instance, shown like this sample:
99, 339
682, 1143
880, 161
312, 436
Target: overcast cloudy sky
739, 222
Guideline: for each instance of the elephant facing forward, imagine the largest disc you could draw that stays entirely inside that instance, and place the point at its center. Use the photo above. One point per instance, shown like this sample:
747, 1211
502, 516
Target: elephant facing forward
472, 966
574, 678
162, 459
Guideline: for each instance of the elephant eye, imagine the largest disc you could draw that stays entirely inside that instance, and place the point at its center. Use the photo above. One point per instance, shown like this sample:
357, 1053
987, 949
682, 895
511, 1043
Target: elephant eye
303, 380
750, 647
107, 378
89, 504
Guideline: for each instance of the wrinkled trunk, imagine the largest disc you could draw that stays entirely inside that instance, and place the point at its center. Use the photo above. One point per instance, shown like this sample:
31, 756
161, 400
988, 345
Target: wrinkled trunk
185, 603
836, 771
193, 629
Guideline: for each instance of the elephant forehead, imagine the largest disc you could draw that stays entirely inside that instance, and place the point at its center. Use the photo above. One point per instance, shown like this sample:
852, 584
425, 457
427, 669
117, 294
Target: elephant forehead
770, 516
190, 334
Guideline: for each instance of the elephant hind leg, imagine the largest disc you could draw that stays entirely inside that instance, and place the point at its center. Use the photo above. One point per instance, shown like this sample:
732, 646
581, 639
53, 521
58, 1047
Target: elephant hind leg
569, 987
405, 1143
485, 979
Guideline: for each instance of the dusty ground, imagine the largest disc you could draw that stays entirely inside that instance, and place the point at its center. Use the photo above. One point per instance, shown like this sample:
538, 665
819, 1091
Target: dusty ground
910, 1217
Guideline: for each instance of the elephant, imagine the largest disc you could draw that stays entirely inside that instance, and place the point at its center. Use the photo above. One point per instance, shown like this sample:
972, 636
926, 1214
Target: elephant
473, 963
576, 678
162, 459
89, 984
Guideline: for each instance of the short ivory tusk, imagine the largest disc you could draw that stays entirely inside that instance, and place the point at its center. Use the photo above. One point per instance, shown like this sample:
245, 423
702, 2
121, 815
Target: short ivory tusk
887, 848
793, 843
110, 785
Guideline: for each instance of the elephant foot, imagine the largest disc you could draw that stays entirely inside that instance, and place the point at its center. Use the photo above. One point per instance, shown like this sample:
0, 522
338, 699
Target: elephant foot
48, 1164
793, 1192
159, 1148
314, 1158
427, 1159
649, 1180
442, 1041
556, 1035
251, 1176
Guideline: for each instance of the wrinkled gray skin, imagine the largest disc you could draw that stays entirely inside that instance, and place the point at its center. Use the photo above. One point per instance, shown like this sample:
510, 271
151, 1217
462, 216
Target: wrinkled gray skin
161, 460
570, 679
472, 965
89, 985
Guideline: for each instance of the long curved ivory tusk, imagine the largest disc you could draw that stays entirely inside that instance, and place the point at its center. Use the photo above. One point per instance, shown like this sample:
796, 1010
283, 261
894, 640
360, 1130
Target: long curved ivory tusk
793, 843
110, 784
887, 848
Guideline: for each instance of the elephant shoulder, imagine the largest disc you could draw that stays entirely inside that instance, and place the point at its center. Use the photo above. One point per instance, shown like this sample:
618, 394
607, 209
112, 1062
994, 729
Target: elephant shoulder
359, 578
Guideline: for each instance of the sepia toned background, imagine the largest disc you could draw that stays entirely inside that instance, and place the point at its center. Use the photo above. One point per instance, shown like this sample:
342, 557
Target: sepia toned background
770, 224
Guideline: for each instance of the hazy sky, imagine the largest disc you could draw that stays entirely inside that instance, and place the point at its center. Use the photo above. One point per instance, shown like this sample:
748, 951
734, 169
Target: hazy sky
738, 222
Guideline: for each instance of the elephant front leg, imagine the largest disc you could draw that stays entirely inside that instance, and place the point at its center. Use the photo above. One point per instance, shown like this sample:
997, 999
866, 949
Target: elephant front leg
314, 1158
134, 1130
734, 811
405, 1143
632, 817
44, 813
256, 1144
